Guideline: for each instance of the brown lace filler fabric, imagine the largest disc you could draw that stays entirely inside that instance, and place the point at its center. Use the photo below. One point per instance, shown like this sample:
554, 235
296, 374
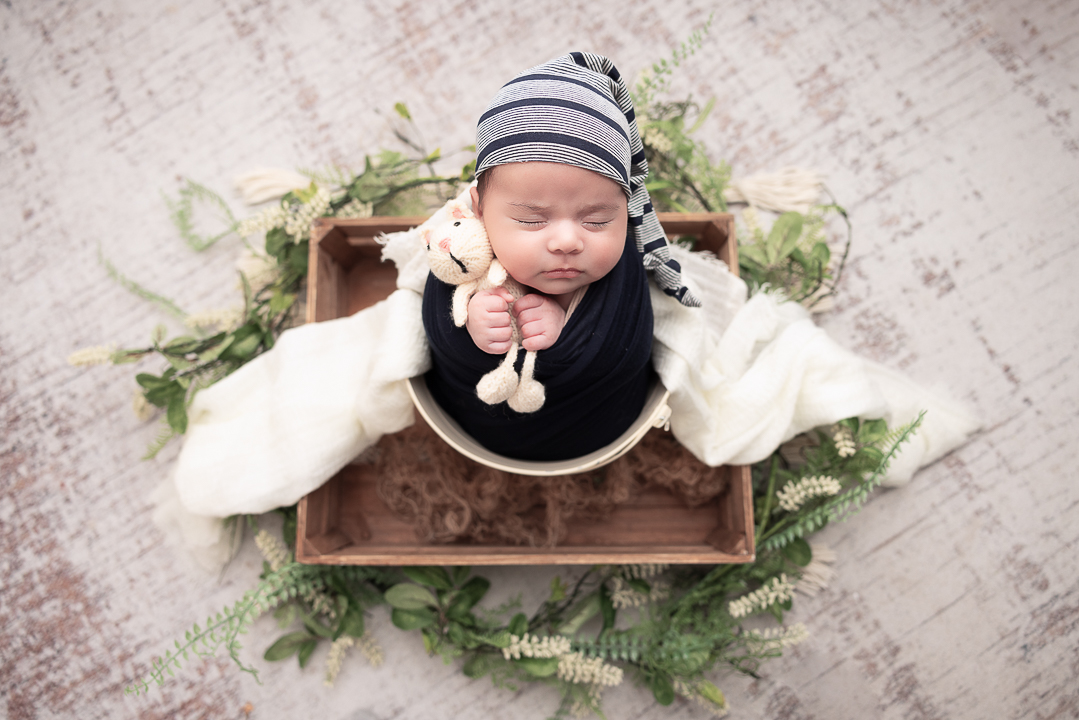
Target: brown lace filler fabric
448, 497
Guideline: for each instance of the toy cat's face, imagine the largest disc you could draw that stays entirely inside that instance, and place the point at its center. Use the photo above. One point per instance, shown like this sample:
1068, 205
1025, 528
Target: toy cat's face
458, 250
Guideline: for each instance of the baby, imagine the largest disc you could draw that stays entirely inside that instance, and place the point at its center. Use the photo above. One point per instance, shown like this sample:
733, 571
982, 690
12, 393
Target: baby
561, 192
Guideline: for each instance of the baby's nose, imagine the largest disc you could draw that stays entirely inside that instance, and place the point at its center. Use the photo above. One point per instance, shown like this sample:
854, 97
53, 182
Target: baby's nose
444, 243
564, 239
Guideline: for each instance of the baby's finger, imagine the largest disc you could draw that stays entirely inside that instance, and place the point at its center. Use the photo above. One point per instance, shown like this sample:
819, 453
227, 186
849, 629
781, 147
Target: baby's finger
500, 319
499, 348
536, 342
500, 334
528, 302
533, 328
493, 303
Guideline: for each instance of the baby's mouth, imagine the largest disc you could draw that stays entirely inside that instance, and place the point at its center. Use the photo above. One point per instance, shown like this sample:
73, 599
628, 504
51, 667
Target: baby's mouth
562, 273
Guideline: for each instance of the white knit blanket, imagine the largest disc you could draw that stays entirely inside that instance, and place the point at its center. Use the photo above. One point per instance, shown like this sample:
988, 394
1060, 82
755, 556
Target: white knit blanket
744, 377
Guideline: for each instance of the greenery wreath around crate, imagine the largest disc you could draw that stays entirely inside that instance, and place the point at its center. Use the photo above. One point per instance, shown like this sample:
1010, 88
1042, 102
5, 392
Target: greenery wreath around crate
670, 628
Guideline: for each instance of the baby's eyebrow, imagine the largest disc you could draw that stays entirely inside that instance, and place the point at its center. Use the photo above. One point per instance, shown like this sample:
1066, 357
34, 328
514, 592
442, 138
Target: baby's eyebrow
587, 210
528, 206
599, 207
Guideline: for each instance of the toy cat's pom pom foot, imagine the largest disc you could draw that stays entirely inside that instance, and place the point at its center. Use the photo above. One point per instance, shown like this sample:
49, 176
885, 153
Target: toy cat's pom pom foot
501, 383
530, 393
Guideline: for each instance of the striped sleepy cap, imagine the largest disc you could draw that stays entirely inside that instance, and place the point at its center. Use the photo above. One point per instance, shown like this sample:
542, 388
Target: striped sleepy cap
576, 110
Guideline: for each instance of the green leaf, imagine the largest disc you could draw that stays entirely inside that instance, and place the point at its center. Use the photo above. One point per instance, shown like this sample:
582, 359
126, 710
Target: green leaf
468, 170
662, 689
783, 236
435, 155
215, 352
430, 575
701, 117
499, 640
306, 649
798, 552
472, 592
712, 694
558, 590
754, 253
402, 110
538, 667
456, 633
582, 613
245, 342
460, 574
284, 615
430, 640
177, 413
518, 625
286, 646
352, 624
639, 585
606, 607
305, 194
280, 302
459, 612
277, 241
316, 627
820, 254
412, 619
151, 382
872, 431
123, 357
182, 344
480, 664
407, 596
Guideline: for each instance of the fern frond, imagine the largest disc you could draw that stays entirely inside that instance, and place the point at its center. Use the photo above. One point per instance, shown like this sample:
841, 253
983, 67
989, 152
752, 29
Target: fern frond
612, 646
128, 284
182, 211
333, 176
163, 437
224, 629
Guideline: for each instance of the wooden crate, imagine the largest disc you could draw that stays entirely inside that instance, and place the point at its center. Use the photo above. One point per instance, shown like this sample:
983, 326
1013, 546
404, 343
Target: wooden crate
345, 523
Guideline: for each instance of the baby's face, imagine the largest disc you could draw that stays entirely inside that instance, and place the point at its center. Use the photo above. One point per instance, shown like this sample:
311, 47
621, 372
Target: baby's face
554, 227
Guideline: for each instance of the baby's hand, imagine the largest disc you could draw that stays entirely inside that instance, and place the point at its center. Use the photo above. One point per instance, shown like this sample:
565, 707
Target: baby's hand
540, 320
489, 320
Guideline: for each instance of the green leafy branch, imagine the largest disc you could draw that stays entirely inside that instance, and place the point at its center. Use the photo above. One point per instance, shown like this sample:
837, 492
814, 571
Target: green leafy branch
797, 525
333, 607
794, 255
682, 638
224, 628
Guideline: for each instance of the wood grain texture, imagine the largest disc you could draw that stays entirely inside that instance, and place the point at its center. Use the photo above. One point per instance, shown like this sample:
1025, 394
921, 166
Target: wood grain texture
947, 128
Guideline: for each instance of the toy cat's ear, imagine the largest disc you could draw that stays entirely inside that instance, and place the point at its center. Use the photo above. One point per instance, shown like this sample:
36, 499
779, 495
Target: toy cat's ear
496, 274
459, 210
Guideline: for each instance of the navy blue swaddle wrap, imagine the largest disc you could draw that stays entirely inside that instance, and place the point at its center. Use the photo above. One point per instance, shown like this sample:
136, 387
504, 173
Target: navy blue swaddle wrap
576, 110
596, 375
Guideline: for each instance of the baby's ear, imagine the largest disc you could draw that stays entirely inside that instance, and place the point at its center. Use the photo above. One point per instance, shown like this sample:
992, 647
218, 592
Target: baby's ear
496, 274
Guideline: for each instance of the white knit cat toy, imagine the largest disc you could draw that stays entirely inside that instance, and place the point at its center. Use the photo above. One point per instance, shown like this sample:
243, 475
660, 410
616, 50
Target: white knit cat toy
460, 254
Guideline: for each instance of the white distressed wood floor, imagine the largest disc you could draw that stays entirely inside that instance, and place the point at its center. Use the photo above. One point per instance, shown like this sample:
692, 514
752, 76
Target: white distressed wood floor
947, 128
